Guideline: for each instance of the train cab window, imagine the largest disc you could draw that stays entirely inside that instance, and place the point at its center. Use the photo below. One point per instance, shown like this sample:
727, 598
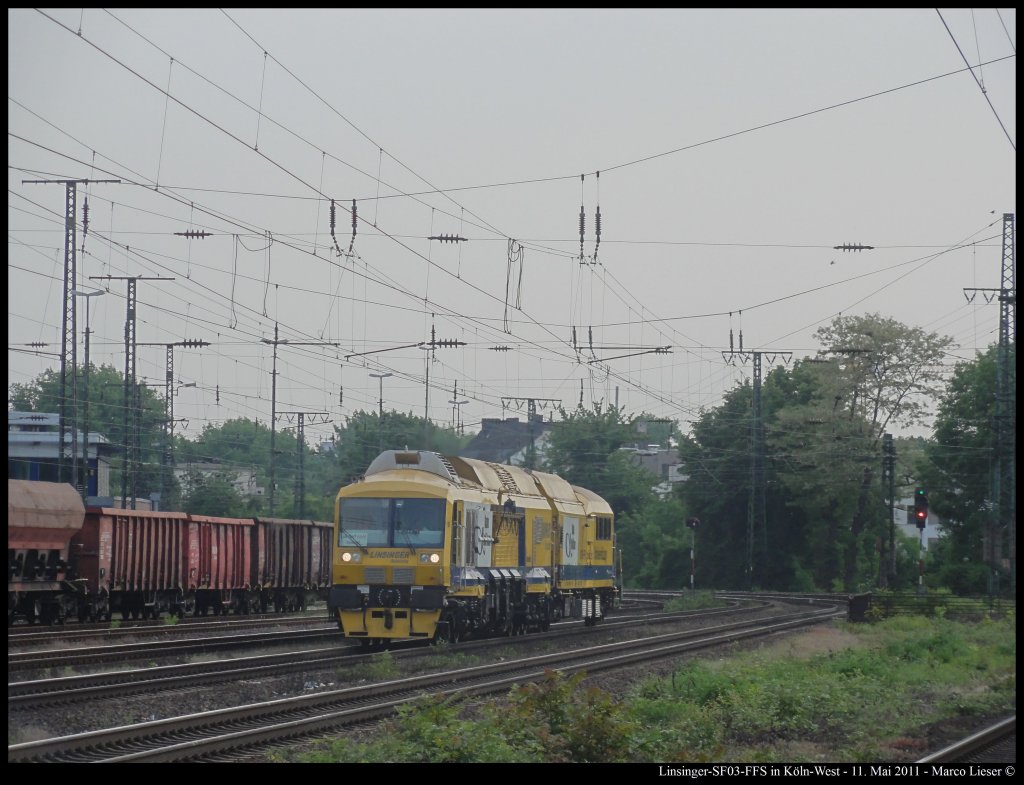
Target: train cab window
396, 523
419, 522
604, 528
364, 522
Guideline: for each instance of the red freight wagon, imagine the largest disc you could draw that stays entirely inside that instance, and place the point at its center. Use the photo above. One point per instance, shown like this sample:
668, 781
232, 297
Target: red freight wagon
42, 518
221, 554
134, 561
293, 560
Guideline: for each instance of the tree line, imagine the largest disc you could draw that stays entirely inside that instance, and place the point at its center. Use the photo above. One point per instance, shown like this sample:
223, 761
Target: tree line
822, 521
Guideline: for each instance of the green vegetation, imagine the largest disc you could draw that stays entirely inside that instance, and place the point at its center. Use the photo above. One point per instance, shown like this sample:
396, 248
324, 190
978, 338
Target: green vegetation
695, 600
870, 701
380, 667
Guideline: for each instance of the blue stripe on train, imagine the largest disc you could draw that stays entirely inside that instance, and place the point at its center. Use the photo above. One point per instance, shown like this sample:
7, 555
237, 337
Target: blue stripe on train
583, 572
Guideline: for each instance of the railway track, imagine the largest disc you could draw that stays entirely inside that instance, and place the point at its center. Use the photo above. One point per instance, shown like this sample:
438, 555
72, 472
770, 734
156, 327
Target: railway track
994, 744
214, 733
26, 637
104, 654
70, 689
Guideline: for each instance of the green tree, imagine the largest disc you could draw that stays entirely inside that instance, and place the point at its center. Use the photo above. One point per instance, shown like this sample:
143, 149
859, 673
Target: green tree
584, 449
365, 434
213, 494
817, 455
106, 416
959, 463
823, 422
887, 375
244, 445
655, 545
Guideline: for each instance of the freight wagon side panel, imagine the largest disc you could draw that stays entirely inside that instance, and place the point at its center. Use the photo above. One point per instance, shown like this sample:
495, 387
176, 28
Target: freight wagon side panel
93, 549
223, 551
290, 557
136, 550
323, 540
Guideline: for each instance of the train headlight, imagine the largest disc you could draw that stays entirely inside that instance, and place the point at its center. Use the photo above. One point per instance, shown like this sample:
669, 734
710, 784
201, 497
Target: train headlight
432, 558
350, 557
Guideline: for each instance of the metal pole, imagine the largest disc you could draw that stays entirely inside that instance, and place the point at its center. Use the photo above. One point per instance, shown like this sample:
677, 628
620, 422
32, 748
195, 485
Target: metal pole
273, 420
85, 394
693, 557
380, 412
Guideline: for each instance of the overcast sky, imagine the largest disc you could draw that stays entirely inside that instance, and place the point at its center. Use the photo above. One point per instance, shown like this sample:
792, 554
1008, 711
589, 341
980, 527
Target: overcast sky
735, 148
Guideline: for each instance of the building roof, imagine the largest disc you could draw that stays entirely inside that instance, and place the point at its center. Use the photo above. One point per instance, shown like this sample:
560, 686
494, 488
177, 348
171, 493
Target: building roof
499, 440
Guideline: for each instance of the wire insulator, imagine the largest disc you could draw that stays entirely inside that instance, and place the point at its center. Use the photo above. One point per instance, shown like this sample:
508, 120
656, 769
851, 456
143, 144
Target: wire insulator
85, 217
352, 242
333, 215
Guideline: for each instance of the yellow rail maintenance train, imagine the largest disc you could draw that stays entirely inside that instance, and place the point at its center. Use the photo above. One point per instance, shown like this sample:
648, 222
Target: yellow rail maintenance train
444, 548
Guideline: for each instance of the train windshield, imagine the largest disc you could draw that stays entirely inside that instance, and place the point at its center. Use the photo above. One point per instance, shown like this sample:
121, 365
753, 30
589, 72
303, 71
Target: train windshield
396, 523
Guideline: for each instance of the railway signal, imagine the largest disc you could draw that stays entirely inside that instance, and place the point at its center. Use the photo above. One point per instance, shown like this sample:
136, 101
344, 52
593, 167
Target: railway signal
920, 508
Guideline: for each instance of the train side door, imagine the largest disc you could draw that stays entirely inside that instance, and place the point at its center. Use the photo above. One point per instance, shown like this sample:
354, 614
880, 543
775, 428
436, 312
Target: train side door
570, 540
479, 530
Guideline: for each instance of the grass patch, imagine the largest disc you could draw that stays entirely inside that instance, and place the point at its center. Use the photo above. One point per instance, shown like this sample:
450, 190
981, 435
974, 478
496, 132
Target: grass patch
695, 600
380, 667
790, 702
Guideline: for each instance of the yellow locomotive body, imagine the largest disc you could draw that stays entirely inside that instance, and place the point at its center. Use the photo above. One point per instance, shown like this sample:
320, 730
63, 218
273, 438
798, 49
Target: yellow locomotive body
435, 547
